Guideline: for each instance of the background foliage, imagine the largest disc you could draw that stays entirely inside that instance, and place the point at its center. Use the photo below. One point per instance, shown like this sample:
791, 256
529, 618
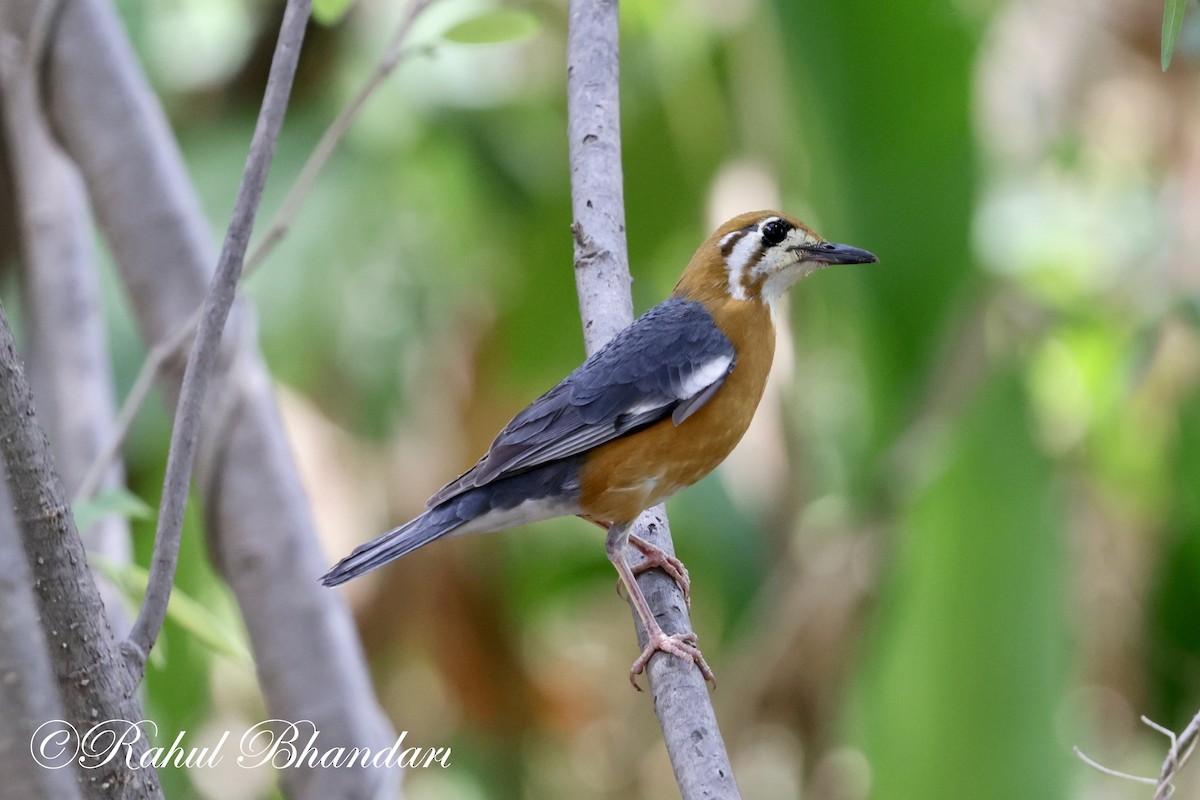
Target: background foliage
962, 536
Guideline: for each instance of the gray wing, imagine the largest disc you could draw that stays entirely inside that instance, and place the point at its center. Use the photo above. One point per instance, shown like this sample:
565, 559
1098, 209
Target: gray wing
667, 363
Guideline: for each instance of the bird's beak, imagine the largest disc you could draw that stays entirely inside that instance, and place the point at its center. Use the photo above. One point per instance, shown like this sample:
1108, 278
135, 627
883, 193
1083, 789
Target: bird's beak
830, 253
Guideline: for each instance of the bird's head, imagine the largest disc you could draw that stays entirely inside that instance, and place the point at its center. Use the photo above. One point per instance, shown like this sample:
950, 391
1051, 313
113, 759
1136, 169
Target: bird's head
758, 256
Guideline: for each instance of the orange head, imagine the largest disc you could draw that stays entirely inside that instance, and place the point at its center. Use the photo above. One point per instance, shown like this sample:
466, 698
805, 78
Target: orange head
757, 257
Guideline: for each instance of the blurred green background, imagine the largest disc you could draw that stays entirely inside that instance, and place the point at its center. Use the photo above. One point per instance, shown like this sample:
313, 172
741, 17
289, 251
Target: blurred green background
961, 537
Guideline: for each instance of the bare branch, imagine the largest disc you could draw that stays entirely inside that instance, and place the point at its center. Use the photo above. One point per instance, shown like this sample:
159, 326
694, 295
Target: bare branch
1096, 765
1181, 750
65, 341
681, 697
1178, 754
162, 352
28, 694
203, 357
396, 52
259, 528
93, 684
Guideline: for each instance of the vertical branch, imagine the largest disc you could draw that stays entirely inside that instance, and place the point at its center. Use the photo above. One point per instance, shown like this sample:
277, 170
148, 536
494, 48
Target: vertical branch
258, 525
66, 344
602, 278
166, 349
93, 684
28, 696
204, 349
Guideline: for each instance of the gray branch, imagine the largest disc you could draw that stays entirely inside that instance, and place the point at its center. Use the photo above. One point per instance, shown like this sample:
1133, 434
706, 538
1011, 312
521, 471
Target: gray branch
92, 679
397, 52
260, 531
27, 690
1180, 751
602, 278
66, 345
203, 357
93, 684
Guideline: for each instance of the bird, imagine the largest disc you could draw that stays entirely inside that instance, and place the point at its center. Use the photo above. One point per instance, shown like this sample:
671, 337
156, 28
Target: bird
648, 414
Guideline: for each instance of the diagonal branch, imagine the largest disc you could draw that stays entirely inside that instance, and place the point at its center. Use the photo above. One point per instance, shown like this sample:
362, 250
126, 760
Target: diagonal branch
1182, 747
203, 357
258, 525
1178, 754
681, 697
163, 351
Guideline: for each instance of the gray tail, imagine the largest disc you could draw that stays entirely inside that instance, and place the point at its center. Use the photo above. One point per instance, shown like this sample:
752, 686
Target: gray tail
397, 542
555, 484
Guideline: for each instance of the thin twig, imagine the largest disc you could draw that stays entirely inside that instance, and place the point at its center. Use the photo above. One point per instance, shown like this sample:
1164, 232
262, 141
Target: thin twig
163, 351
282, 222
217, 303
681, 698
155, 359
1181, 749
1178, 754
1125, 776
258, 526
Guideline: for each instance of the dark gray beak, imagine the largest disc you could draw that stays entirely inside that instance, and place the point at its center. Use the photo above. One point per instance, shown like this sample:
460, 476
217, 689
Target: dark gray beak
830, 253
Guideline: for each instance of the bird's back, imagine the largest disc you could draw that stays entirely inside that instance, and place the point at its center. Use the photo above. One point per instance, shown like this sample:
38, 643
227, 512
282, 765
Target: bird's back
622, 478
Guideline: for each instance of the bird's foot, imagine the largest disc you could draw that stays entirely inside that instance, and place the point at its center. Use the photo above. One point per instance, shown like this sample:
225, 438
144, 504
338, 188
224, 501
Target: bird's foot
680, 645
657, 558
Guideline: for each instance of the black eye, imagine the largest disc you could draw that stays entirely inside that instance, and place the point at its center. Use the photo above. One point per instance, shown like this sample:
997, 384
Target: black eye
775, 232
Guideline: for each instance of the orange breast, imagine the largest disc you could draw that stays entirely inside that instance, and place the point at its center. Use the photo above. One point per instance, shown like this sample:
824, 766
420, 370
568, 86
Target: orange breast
621, 479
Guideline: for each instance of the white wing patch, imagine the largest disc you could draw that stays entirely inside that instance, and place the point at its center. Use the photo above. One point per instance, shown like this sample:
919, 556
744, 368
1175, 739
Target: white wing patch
700, 379
704, 377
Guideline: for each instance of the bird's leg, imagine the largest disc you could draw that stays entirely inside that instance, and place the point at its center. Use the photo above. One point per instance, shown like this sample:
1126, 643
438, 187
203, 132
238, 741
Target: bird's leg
656, 558
681, 645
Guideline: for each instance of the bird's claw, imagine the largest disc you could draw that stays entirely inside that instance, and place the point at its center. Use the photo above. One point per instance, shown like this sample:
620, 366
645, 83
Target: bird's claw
657, 558
680, 645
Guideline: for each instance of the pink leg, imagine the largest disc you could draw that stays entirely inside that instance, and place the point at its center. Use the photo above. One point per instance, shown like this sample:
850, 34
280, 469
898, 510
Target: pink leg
656, 558
681, 645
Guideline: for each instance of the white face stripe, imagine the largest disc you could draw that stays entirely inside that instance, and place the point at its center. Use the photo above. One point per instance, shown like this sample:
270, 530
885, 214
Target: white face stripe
776, 268
739, 261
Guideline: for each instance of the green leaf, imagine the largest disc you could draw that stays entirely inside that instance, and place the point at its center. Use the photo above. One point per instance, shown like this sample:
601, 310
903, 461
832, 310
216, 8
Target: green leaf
1172, 25
973, 625
497, 25
182, 609
330, 12
117, 500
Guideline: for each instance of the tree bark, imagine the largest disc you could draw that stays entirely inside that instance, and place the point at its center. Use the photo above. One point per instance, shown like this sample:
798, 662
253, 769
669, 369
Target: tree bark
681, 698
260, 532
92, 679
28, 696
94, 687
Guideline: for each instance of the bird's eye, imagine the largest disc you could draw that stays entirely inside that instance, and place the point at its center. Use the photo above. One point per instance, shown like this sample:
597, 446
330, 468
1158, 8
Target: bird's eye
775, 231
